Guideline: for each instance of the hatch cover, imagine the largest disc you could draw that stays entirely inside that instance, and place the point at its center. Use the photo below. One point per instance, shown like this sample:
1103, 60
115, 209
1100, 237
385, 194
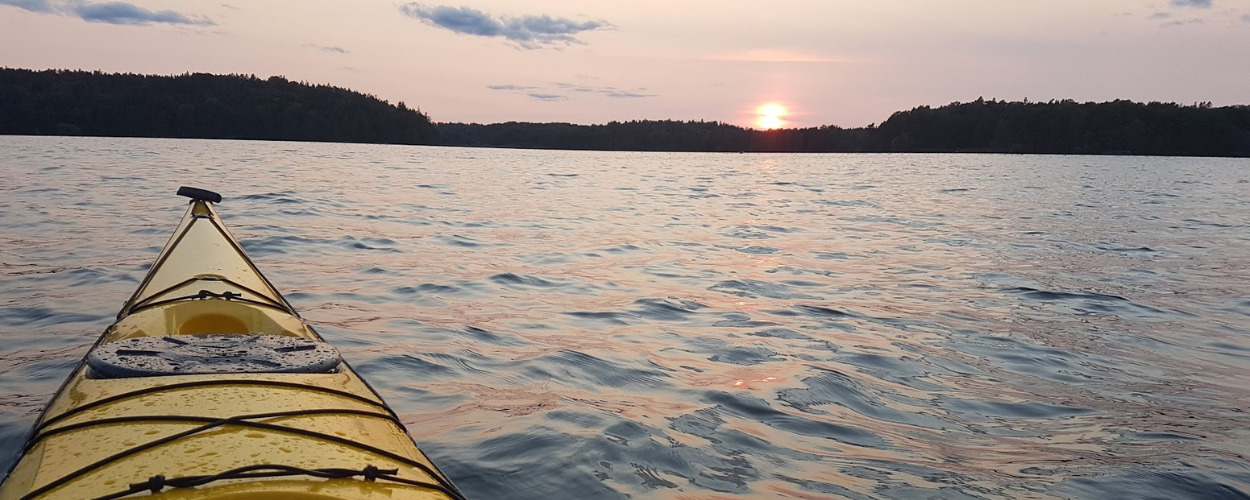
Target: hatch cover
221, 353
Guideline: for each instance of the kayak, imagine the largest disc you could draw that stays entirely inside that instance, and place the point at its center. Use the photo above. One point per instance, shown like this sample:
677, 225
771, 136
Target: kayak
210, 386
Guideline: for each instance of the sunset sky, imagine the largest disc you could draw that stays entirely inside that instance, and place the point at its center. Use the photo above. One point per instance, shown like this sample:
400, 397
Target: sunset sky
827, 62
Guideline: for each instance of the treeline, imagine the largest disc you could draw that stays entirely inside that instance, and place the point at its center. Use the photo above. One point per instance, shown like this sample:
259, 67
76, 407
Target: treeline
57, 102
1055, 127
649, 135
1067, 127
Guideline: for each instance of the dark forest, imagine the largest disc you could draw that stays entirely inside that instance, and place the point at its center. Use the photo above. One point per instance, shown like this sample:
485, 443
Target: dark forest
60, 102
200, 106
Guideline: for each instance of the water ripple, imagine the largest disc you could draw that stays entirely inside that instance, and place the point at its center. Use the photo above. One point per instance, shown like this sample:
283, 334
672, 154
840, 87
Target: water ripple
672, 326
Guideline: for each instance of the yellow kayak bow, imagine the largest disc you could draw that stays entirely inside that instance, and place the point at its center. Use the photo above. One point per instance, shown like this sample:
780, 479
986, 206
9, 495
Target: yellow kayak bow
210, 386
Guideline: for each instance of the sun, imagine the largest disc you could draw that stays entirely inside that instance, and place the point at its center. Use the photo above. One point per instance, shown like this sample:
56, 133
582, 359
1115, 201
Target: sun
769, 116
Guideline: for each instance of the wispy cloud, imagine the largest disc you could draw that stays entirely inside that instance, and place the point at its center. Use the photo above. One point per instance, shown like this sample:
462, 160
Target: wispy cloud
563, 91
1201, 4
40, 6
1179, 22
326, 48
1245, 18
516, 88
108, 12
124, 13
605, 91
527, 32
530, 91
547, 97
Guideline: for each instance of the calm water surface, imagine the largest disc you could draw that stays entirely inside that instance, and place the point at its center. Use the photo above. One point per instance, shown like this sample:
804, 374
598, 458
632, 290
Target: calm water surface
676, 326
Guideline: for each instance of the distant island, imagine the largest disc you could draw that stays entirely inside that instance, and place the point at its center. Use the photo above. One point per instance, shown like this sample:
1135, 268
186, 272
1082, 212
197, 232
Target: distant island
59, 102
64, 102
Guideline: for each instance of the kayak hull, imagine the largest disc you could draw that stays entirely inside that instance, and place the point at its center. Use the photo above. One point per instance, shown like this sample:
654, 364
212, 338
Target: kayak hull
325, 434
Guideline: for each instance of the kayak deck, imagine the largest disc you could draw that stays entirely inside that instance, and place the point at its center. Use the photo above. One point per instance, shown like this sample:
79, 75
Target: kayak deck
205, 424
227, 432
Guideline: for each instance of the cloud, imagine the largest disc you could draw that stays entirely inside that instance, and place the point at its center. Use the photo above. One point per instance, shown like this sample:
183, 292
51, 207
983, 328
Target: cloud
40, 6
1201, 4
1245, 18
527, 32
124, 13
511, 87
547, 97
326, 48
627, 95
1179, 22
529, 91
606, 91
109, 12
561, 90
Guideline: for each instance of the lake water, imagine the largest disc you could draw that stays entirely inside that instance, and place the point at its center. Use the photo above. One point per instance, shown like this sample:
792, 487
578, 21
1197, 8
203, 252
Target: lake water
677, 326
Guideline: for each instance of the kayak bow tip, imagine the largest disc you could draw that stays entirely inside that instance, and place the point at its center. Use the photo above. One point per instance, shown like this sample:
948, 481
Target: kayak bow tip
198, 194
